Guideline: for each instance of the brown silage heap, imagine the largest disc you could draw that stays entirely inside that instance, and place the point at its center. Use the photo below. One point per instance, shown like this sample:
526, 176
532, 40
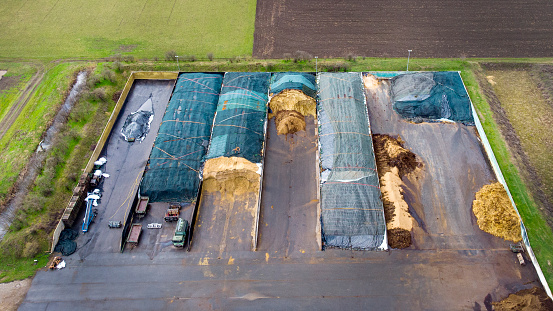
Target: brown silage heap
495, 213
533, 299
290, 107
394, 162
231, 176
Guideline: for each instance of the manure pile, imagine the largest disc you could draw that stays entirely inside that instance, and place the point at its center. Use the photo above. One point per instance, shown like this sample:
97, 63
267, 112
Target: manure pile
495, 213
394, 162
290, 107
533, 299
231, 176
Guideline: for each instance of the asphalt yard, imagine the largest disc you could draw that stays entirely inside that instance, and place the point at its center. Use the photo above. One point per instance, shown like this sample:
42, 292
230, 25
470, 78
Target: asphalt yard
289, 199
451, 265
125, 165
225, 223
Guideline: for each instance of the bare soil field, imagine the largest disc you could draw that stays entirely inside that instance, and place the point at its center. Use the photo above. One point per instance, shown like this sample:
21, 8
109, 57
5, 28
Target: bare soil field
12, 294
327, 28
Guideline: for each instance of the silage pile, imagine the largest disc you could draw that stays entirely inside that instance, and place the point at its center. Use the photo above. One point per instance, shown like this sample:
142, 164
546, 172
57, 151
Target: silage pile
534, 299
290, 107
495, 213
231, 176
394, 162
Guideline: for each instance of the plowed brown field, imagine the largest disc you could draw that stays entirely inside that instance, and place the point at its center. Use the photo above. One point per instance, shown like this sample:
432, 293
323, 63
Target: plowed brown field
446, 28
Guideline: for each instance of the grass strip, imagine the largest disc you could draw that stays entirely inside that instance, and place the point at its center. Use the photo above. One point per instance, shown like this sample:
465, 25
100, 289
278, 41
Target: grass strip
539, 232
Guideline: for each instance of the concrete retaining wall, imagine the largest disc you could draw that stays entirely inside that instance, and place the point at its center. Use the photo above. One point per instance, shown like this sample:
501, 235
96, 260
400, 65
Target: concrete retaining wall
79, 193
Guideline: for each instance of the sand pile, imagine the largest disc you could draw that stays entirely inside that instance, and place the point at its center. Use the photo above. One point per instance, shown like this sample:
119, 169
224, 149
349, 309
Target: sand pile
393, 163
534, 299
290, 107
495, 213
231, 176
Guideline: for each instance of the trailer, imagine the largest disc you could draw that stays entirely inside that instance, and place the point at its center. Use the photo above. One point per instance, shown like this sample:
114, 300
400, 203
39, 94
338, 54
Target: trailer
134, 234
142, 206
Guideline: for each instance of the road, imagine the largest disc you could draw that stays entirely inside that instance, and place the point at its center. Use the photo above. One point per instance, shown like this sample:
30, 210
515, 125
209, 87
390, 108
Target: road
330, 280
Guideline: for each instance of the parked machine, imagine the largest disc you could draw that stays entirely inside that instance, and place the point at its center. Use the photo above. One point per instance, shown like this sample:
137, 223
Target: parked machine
518, 249
91, 212
179, 238
114, 224
172, 213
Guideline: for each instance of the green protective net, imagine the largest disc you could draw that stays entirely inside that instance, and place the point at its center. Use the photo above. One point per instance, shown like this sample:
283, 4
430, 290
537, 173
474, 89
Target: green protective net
238, 130
66, 242
428, 96
352, 211
302, 81
179, 150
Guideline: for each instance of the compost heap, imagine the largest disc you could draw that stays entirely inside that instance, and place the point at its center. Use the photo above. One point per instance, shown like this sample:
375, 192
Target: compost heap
231, 176
495, 213
371, 82
137, 124
394, 162
290, 107
66, 243
533, 299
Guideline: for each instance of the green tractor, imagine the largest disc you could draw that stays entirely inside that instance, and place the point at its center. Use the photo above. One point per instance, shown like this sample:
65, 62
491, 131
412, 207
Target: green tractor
179, 238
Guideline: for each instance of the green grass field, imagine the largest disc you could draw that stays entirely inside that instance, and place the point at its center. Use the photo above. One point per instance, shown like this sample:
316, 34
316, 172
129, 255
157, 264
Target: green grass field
21, 140
50, 29
13, 84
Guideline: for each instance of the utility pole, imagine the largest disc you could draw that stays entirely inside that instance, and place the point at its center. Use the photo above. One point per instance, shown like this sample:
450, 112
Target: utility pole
408, 56
316, 68
179, 65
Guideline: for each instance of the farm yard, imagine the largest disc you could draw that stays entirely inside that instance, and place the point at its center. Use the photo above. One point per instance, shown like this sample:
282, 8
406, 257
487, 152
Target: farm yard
256, 146
447, 244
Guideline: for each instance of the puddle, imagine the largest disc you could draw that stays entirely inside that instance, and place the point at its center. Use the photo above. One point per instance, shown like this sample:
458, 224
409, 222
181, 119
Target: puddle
35, 162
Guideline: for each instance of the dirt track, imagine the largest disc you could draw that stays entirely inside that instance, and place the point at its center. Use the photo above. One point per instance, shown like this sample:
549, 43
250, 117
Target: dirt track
513, 28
